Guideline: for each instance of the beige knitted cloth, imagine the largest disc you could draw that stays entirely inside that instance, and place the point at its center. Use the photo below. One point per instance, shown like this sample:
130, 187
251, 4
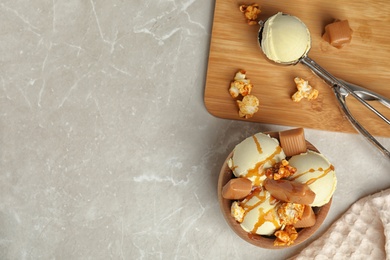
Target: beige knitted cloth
363, 232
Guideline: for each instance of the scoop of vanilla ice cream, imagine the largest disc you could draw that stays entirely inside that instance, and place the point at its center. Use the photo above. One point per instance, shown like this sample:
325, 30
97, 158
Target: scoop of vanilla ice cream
254, 154
261, 215
316, 171
285, 38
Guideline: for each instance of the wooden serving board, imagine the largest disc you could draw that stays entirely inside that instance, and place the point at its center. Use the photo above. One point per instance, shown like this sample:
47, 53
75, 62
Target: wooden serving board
365, 62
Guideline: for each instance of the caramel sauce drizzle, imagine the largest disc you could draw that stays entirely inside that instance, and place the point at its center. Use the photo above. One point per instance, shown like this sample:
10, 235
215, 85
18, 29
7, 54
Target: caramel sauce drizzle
268, 216
310, 181
261, 196
258, 146
256, 173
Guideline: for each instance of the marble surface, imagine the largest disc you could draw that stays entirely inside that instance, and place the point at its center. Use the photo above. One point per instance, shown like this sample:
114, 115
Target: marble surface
107, 150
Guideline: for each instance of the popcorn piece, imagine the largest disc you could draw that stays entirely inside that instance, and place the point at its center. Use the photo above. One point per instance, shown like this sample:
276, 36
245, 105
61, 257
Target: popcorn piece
290, 213
240, 85
250, 12
248, 106
304, 90
286, 237
237, 211
280, 170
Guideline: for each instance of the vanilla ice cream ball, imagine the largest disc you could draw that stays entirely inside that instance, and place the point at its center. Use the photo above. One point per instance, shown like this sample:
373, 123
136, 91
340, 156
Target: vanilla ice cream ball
317, 172
260, 215
253, 155
285, 38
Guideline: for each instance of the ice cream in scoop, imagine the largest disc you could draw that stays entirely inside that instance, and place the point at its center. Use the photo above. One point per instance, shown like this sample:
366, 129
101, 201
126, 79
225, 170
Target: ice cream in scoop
284, 38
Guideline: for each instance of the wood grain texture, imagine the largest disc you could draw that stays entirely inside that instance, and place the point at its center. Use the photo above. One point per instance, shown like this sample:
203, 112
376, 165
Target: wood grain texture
365, 62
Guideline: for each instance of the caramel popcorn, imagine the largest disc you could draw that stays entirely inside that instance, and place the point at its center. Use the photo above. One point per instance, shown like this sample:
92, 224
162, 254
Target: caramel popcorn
248, 106
289, 213
286, 237
250, 12
280, 170
240, 85
304, 90
237, 212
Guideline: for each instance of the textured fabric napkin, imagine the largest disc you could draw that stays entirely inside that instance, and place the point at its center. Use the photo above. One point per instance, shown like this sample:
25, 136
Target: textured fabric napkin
363, 232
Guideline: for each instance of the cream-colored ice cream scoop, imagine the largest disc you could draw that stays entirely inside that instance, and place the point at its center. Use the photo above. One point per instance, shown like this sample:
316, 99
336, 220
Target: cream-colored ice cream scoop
253, 155
317, 172
261, 215
285, 39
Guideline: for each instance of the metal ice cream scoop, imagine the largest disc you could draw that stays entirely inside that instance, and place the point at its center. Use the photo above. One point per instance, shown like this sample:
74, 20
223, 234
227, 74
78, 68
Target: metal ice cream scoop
285, 39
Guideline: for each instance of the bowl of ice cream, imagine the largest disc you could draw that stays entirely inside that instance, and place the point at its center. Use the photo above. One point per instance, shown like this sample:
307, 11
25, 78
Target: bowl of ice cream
275, 189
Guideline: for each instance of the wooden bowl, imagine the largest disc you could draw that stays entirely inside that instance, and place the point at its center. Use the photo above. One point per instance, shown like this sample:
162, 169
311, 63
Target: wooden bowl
264, 241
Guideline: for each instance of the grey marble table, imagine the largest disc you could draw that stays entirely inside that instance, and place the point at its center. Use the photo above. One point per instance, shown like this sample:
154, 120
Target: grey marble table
107, 150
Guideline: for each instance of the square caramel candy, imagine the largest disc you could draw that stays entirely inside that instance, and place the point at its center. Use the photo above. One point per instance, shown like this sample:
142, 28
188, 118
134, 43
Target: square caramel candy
293, 141
308, 218
338, 33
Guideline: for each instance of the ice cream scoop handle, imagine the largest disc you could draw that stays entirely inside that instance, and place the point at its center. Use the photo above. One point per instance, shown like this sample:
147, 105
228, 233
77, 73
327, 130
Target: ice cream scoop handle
344, 89
356, 124
367, 95
341, 91
319, 71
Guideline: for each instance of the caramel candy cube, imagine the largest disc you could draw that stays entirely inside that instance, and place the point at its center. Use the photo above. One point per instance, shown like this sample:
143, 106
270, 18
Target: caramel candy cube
308, 218
237, 189
293, 141
338, 33
290, 191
